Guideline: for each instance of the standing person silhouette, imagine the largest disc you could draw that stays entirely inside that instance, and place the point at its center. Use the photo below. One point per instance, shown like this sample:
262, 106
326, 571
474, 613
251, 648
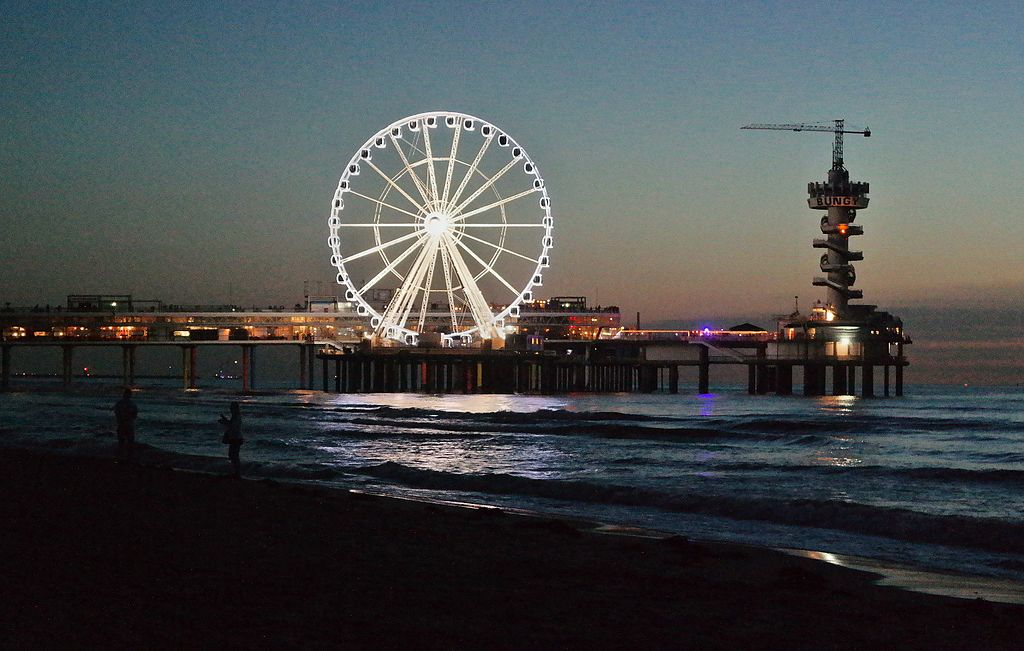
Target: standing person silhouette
126, 412
233, 437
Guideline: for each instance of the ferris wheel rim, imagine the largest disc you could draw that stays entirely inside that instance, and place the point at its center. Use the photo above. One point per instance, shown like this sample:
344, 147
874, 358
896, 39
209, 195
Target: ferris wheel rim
439, 209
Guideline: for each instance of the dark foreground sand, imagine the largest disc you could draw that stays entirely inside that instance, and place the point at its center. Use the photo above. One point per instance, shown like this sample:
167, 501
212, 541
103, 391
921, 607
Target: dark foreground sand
96, 554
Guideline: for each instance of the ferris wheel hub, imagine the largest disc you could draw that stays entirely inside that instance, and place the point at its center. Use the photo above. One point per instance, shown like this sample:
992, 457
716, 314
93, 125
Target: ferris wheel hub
436, 223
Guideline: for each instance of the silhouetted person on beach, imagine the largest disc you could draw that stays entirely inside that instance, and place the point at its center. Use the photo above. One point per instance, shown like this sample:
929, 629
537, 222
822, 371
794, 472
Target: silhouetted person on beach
233, 437
126, 412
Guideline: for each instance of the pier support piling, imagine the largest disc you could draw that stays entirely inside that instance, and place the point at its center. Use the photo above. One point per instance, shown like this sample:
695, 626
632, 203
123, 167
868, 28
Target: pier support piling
704, 381
839, 378
189, 367
762, 379
784, 380
867, 389
5, 369
311, 365
67, 353
247, 369
125, 380
814, 379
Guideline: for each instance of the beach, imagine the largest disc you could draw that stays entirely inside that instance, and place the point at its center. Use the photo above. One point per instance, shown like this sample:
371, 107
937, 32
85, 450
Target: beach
98, 554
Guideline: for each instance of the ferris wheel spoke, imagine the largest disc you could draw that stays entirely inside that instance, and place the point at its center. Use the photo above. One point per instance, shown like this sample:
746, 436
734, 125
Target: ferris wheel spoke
478, 306
501, 225
381, 247
430, 164
501, 248
446, 263
496, 204
427, 290
384, 204
389, 268
397, 187
472, 168
463, 314
430, 251
405, 292
488, 183
414, 146
451, 162
379, 225
408, 170
488, 267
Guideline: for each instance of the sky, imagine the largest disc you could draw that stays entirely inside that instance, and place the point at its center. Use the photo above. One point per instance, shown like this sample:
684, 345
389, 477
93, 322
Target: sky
189, 151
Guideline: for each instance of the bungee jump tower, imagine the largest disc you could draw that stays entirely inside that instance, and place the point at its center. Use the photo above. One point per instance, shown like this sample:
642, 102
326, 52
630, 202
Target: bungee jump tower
836, 335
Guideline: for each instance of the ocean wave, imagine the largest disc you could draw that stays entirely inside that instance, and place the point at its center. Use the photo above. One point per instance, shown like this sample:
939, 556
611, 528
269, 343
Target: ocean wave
830, 425
293, 471
902, 524
998, 476
380, 431
596, 430
505, 416
1005, 457
615, 424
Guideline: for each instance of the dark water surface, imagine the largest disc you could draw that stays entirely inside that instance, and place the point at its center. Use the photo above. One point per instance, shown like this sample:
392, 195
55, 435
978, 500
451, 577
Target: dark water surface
934, 479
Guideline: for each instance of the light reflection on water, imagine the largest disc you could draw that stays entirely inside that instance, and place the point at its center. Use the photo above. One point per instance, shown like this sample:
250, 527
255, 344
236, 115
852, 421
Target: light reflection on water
841, 454
465, 456
473, 403
837, 404
707, 404
424, 444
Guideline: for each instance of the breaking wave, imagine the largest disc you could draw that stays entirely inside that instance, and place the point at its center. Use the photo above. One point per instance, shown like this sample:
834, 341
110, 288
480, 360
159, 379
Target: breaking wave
901, 524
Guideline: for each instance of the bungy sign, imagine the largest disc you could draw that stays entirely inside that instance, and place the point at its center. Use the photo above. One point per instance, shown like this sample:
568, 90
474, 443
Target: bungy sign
828, 201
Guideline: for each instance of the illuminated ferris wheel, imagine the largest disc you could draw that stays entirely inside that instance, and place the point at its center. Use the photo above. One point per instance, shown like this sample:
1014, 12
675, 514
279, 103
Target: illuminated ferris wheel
440, 223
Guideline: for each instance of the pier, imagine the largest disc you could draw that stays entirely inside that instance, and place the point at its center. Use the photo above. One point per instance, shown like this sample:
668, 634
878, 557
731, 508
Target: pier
615, 366
638, 361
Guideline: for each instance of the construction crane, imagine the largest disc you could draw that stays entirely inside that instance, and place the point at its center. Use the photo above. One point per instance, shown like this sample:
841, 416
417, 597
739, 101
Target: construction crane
837, 127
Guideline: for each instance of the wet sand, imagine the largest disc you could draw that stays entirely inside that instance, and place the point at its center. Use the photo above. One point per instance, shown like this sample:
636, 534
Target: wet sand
93, 553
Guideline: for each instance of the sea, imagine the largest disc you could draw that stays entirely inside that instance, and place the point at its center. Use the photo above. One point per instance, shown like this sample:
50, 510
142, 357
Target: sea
931, 480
